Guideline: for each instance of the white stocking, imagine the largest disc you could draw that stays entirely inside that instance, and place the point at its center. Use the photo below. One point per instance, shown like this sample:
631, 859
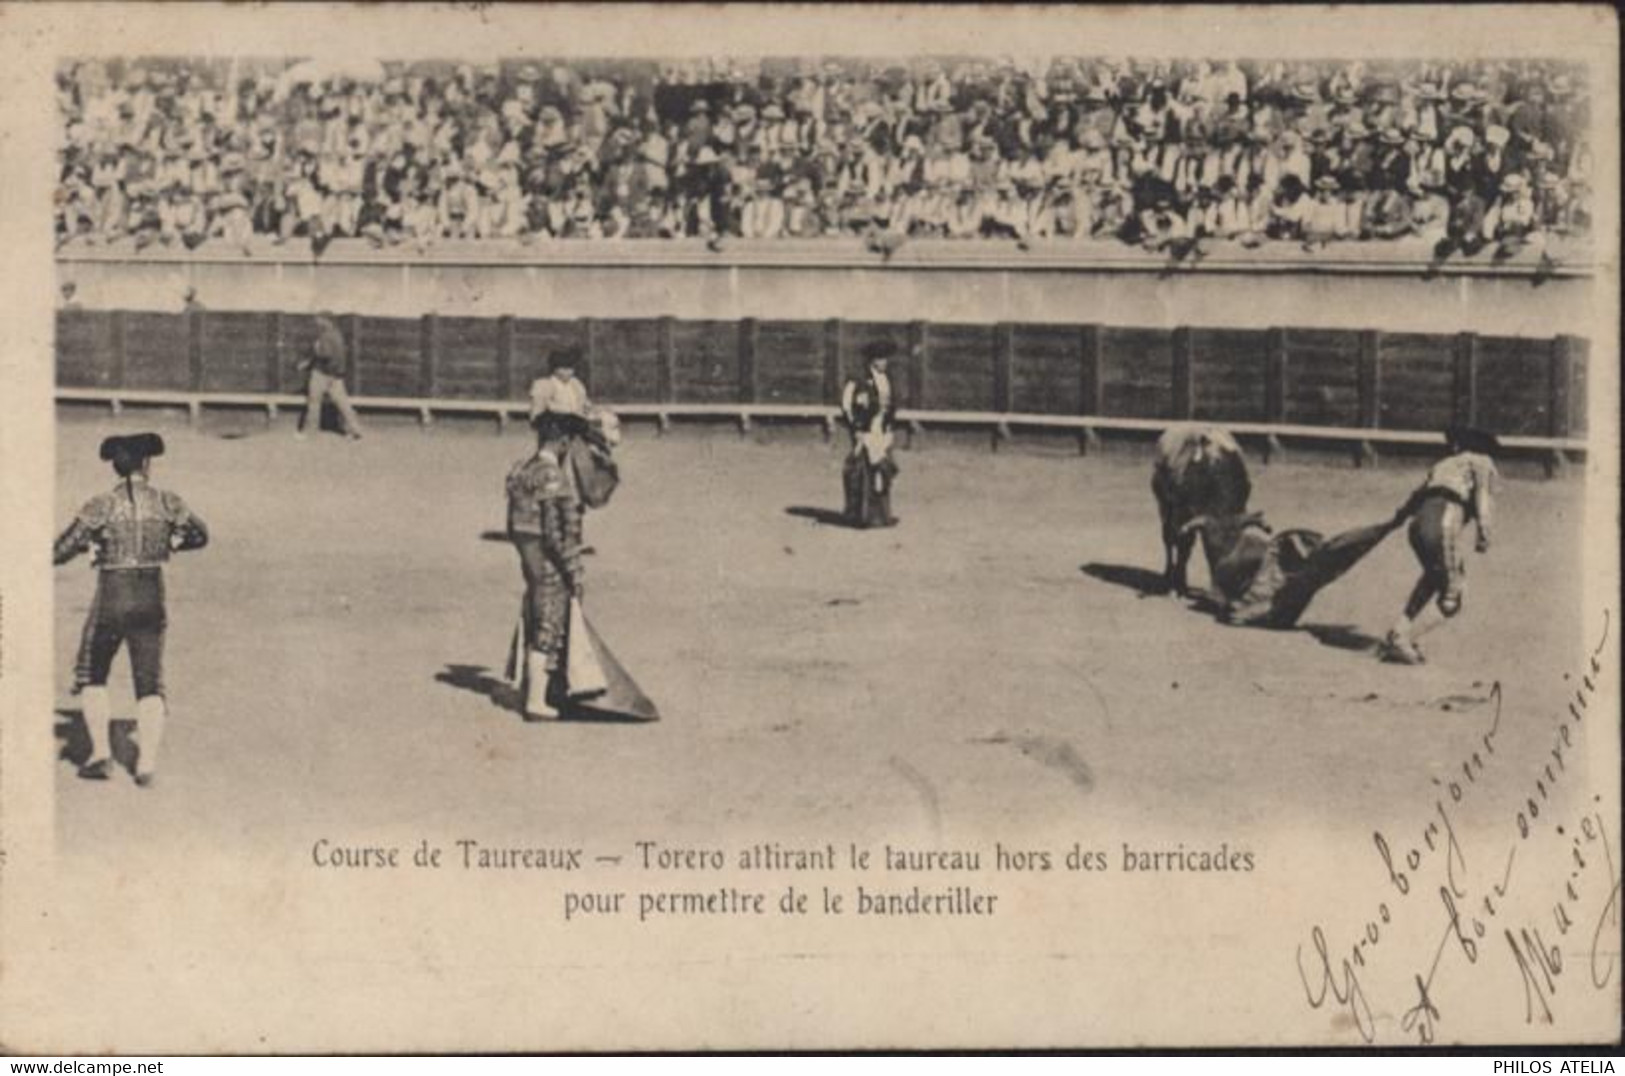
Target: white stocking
150, 714
98, 712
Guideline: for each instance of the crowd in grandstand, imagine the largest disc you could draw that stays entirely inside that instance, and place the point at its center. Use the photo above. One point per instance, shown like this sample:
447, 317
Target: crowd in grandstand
1162, 154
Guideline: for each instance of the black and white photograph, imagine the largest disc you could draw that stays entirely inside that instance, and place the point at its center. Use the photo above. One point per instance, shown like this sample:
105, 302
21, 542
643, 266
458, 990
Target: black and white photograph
815, 527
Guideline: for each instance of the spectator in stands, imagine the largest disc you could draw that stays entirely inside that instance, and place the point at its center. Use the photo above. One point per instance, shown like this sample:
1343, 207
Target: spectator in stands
1289, 209
1202, 219
1492, 165
163, 153
419, 221
181, 217
77, 208
1464, 228
761, 210
301, 213
1326, 219
1163, 228
1511, 221
1231, 215
1112, 214
1386, 214
1551, 203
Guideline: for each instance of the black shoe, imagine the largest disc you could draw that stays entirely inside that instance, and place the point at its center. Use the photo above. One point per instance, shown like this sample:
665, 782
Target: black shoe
100, 770
145, 780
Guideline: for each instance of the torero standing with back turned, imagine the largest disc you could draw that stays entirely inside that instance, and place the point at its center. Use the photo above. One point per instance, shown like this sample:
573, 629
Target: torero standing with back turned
133, 529
869, 407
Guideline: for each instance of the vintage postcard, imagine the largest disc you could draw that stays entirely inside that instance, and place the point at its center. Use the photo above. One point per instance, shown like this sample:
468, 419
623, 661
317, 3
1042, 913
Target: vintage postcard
604, 528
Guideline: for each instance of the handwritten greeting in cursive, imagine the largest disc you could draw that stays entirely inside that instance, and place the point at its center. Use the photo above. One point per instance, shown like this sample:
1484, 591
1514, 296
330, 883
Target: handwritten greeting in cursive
1473, 922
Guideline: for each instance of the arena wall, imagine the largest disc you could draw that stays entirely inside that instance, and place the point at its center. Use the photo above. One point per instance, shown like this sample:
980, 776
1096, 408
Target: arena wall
1388, 287
1297, 374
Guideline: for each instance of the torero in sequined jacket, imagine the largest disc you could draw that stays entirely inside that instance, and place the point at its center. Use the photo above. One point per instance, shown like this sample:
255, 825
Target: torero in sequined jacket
542, 504
132, 525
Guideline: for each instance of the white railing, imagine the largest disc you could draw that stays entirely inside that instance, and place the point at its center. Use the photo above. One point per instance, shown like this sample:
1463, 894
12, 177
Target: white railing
1365, 441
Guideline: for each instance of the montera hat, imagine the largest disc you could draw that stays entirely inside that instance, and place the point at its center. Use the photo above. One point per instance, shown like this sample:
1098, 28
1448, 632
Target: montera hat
134, 447
552, 423
879, 349
568, 356
1472, 439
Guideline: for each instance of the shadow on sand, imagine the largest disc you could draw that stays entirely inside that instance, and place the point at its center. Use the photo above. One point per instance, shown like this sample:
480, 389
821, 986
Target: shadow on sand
503, 695
1342, 636
823, 516
73, 739
1149, 584
478, 679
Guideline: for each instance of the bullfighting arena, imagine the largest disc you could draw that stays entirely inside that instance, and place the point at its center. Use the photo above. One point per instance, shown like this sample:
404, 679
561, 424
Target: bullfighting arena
999, 662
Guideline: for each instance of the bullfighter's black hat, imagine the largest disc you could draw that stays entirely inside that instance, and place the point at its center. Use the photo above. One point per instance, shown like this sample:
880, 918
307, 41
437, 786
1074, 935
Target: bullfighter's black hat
135, 446
879, 349
559, 424
1472, 439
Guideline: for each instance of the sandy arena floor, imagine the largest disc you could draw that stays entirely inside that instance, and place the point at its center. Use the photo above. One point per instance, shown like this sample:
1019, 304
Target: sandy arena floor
992, 663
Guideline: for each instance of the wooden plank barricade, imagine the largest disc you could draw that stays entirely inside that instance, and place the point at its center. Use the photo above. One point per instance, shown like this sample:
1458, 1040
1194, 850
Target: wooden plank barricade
1360, 389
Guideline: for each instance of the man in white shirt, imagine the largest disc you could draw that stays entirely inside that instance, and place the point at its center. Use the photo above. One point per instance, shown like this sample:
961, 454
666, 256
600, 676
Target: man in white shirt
560, 391
1459, 490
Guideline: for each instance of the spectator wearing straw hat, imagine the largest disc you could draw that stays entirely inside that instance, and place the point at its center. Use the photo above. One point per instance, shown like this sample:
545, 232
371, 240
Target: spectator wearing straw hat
1387, 213
1460, 159
129, 140
1327, 219
1390, 163
1463, 107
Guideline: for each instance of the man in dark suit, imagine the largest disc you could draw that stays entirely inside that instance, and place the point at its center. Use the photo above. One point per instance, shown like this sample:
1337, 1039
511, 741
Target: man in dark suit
869, 408
326, 366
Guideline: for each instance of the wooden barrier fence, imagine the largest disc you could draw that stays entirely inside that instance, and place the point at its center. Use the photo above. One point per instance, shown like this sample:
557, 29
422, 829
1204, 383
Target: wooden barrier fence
1367, 387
